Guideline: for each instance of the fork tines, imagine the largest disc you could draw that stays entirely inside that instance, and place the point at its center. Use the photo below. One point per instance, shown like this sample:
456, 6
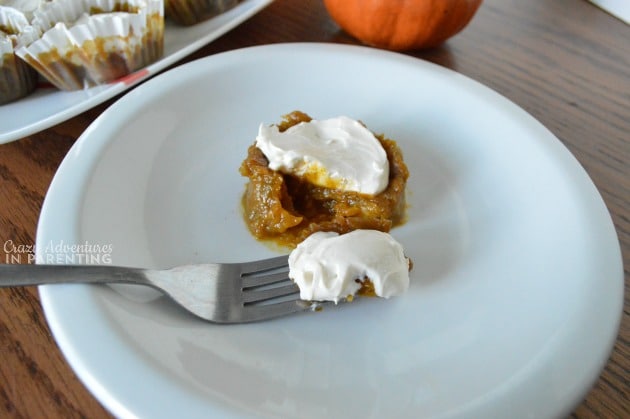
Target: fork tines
267, 282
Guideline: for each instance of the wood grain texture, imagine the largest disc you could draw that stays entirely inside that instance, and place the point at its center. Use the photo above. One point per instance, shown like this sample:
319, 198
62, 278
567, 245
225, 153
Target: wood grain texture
564, 61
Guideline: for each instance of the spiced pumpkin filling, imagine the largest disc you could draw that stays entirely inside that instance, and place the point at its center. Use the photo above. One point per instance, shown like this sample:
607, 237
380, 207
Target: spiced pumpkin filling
306, 176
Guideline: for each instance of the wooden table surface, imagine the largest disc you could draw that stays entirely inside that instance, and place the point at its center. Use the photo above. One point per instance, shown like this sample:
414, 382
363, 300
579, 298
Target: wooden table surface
564, 61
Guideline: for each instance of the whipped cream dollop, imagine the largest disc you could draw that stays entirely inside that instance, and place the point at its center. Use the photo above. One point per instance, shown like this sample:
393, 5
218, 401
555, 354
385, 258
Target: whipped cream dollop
338, 153
328, 266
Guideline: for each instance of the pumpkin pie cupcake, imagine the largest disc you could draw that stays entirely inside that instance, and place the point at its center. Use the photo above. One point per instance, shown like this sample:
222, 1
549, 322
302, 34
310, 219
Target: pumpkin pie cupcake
17, 79
85, 43
306, 176
189, 12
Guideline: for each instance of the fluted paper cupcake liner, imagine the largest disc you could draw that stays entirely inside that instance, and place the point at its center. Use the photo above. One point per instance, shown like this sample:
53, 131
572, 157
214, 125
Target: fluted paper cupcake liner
17, 79
27, 7
90, 42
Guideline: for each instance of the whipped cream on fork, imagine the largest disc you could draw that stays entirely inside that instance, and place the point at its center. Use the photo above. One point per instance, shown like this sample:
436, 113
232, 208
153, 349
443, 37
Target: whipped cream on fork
330, 267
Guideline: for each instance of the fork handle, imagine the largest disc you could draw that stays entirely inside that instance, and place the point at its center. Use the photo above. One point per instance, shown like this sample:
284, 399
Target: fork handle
27, 275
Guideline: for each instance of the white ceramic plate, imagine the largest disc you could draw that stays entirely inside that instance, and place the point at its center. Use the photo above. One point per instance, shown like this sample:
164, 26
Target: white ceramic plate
48, 106
517, 287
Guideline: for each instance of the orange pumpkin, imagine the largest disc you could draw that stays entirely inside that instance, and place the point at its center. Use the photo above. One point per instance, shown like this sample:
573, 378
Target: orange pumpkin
402, 24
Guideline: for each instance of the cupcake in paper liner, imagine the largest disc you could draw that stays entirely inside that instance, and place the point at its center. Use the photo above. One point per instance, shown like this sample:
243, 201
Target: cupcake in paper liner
17, 79
189, 12
85, 43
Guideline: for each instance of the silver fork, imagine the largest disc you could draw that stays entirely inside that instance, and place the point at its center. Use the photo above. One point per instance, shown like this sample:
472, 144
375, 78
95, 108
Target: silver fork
218, 292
